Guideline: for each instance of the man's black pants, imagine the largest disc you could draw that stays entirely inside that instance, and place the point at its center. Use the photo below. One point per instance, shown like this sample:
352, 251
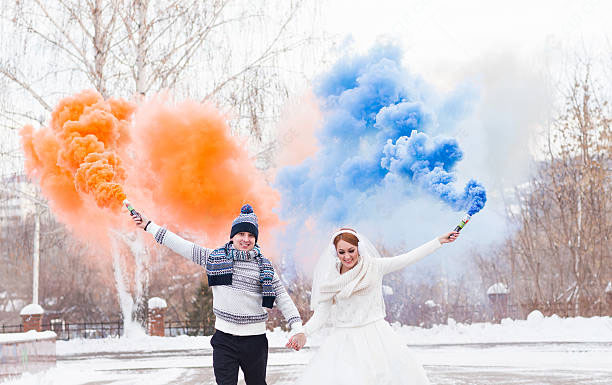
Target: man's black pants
230, 352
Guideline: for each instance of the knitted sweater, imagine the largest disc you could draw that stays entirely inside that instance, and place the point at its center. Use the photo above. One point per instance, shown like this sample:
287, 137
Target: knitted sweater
369, 306
237, 307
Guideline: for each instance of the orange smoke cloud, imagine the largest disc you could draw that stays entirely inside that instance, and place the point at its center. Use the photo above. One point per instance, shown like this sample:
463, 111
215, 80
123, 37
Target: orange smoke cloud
178, 163
195, 172
76, 158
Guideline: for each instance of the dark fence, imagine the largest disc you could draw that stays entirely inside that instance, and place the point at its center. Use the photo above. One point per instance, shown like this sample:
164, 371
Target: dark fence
11, 329
67, 331
434, 314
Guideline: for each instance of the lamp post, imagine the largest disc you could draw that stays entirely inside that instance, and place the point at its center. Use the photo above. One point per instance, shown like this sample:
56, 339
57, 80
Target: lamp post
36, 257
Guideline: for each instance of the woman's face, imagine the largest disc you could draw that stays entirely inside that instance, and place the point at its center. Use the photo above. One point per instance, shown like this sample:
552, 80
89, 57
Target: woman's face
347, 253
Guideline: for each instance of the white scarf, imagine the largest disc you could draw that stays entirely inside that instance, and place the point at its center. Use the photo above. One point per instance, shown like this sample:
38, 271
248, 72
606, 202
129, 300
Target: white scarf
354, 281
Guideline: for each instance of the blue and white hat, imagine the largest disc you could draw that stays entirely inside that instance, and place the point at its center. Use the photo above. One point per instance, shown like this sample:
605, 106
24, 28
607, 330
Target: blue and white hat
246, 221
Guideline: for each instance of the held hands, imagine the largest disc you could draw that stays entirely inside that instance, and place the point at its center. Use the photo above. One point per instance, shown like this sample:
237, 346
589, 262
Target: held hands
297, 341
448, 237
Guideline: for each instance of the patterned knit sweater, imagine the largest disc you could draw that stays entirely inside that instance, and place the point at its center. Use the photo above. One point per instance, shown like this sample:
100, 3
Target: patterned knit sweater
237, 307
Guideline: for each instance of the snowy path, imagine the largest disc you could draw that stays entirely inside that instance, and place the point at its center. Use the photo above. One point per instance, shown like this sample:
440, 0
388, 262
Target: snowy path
474, 364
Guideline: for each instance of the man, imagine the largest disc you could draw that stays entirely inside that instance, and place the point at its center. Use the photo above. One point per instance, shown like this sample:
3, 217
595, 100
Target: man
243, 283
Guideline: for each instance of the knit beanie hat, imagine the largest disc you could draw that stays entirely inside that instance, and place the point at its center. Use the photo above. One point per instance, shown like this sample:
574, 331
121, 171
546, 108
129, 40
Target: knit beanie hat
246, 221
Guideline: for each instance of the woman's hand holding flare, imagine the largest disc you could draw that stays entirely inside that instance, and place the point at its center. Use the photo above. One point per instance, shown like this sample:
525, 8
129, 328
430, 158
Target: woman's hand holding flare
297, 341
448, 237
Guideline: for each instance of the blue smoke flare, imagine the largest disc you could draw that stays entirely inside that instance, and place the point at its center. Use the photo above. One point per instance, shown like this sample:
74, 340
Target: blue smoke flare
377, 128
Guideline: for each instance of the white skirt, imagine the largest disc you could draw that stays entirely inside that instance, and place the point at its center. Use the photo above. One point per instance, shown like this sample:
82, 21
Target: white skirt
364, 355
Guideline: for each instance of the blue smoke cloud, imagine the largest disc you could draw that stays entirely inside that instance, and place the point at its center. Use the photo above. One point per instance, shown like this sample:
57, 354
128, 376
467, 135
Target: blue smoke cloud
377, 134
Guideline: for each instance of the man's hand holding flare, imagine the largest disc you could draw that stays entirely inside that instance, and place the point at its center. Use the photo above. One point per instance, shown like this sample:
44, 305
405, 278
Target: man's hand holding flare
141, 220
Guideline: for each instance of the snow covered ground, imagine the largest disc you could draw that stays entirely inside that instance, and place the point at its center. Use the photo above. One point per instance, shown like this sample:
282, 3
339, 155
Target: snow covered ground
537, 351
32, 335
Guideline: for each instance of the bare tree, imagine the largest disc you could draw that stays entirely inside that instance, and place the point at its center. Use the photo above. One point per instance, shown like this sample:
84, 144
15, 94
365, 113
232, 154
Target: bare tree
67, 272
580, 186
561, 250
230, 52
234, 53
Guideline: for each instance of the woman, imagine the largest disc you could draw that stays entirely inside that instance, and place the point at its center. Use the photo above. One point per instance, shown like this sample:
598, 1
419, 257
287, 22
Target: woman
347, 287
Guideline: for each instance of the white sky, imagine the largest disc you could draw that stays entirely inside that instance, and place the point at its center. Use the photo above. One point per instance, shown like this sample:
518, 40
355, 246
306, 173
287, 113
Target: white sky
438, 35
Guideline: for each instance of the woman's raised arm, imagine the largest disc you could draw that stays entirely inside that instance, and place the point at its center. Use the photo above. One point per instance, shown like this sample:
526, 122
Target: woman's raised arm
389, 265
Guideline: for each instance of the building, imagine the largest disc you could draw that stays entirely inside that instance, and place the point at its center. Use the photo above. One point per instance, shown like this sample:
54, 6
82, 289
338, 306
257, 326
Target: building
16, 199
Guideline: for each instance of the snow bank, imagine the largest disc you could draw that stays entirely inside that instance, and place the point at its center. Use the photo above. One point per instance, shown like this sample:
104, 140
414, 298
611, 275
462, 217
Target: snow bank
535, 316
138, 344
536, 329
32, 335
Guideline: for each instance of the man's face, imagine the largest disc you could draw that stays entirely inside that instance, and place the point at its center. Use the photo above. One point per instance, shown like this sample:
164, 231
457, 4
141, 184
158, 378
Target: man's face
244, 241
